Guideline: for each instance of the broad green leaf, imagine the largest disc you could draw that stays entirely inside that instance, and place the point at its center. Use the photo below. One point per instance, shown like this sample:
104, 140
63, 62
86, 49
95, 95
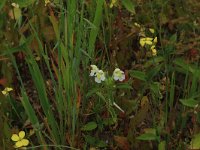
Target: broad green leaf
147, 136
24, 3
153, 72
195, 142
89, 139
138, 75
189, 102
173, 38
185, 67
17, 13
94, 141
89, 126
129, 5
161, 145
155, 88
124, 86
154, 61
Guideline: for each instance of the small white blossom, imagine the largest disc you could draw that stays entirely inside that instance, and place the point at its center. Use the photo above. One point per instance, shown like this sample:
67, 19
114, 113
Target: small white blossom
100, 76
118, 75
15, 5
94, 70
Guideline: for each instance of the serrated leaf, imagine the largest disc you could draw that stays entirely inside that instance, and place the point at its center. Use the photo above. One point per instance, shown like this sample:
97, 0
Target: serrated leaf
129, 5
147, 136
189, 102
89, 126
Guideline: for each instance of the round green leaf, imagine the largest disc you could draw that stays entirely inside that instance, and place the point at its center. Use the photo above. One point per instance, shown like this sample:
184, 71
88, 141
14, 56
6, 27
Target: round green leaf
89, 126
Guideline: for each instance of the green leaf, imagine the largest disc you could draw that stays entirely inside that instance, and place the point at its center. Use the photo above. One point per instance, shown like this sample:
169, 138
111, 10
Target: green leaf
138, 75
94, 141
124, 86
89, 139
89, 126
2, 3
154, 61
129, 5
147, 136
155, 88
190, 102
173, 38
161, 145
17, 13
195, 142
24, 3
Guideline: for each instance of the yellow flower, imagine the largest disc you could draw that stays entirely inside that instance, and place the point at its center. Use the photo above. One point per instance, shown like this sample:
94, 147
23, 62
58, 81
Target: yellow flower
47, 2
146, 40
6, 91
151, 30
20, 140
153, 50
155, 40
137, 24
113, 3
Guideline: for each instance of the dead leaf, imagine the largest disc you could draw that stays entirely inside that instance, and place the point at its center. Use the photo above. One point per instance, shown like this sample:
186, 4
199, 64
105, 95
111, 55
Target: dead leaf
122, 142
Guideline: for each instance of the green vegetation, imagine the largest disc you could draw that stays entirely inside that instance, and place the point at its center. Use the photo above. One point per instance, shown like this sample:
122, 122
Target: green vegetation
100, 74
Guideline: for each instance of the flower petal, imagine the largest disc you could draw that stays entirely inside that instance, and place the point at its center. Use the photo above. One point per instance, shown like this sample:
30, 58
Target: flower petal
15, 138
97, 80
122, 78
142, 42
18, 144
155, 40
151, 30
9, 89
25, 142
21, 134
116, 78
4, 92
148, 42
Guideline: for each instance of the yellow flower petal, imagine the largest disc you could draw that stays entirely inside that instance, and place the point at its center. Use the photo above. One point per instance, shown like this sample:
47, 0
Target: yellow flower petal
153, 47
154, 52
8, 89
21, 134
148, 39
15, 138
18, 144
25, 142
142, 42
137, 25
4, 92
151, 30
148, 42
155, 40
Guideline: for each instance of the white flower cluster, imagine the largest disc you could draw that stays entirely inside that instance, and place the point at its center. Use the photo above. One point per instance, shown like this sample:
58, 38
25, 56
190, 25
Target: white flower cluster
100, 75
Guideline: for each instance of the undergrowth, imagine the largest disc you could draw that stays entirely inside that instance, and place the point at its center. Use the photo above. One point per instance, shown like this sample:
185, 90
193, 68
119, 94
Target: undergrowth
100, 74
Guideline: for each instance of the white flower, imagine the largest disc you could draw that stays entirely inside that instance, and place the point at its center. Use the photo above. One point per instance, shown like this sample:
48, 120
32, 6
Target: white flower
118, 75
94, 70
100, 76
15, 5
